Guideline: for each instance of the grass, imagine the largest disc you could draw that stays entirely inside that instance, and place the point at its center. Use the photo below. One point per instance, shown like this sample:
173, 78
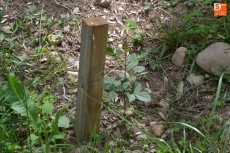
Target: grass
29, 121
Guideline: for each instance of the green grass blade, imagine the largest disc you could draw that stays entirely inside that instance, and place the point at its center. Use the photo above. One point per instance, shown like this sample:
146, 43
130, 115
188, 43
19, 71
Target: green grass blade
3, 10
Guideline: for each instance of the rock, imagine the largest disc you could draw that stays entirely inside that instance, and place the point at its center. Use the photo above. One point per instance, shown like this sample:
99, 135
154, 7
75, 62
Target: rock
135, 147
66, 29
148, 27
23, 57
215, 59
120, 46
117, 133
180, 89
195, 80
157, 130
178, 57
164, 104
105, 3
76, 10
142, 137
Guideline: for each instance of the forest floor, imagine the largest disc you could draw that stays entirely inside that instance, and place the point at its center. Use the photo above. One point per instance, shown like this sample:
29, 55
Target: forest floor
161, 79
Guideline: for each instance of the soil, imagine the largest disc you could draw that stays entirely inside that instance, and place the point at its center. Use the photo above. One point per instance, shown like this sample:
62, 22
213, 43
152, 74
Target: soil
195, 102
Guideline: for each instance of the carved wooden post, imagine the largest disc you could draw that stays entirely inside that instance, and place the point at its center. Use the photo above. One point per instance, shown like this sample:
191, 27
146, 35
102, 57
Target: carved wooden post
91, 75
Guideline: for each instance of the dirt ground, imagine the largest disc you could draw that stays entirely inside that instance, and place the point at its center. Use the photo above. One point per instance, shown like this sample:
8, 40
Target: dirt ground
195, 102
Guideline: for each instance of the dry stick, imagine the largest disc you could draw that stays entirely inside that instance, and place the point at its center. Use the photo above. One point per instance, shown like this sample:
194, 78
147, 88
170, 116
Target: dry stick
59, 4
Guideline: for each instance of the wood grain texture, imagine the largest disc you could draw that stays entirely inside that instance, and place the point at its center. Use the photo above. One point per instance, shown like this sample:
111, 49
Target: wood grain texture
91, 75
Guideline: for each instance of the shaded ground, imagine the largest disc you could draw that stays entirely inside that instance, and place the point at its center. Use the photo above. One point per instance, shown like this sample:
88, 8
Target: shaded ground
195, 102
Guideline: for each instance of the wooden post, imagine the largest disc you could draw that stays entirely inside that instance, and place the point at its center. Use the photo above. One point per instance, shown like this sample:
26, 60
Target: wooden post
91, 75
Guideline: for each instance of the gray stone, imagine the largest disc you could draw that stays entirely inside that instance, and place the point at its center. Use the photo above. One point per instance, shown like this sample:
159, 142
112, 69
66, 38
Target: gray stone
215, 59
142, 137
157, 130
148, 27
178, 57
117, 133
105, 3
195, 80
76, 10
180, 89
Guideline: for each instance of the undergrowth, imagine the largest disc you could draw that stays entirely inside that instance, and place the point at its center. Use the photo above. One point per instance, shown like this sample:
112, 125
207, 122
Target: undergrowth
30, 123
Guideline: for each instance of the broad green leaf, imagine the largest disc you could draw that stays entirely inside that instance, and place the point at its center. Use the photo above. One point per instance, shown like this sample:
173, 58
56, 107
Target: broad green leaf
122, 76
137, 87
11, 25
47, 108
33, 138
18, 99
1, 37
21, 24
136, 37
109, 51
62, 16
133, 58
133, 61
109, 79
143, 96
126, 85
112, 95
131, 65
56, 122
59, 136
132, 78
63, 122
30, 10
117, 52
21, 108
109, 86
3, 10
143, 54
129, 24
130, 97
138, 68
153, 64
117, 83
7, 31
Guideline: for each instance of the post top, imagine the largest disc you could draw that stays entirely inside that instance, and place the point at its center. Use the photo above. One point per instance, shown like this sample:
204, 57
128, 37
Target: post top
95, 21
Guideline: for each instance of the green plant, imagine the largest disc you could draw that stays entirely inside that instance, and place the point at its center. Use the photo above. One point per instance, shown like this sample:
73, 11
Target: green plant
13, 28
43, 125
136, 37
3, 10
73, 21
131, 88
30, 12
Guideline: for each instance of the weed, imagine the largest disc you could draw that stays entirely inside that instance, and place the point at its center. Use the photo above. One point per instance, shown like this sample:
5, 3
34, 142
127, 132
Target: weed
30, 11
73, 21
127, 84
44, 124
